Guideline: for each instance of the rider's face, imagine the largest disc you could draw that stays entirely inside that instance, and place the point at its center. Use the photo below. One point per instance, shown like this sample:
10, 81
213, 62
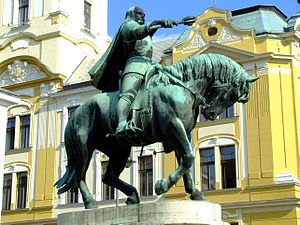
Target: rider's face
139, 15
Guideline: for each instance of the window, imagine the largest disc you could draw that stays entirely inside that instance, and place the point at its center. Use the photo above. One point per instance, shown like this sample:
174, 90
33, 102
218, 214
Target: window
207, 161
7, 186
108, 192
228, 166
228, 113
24, 131
23, 11
15, 187
87, 16
146, 175
21, 190
10, 133
18, 128
218, 164
72, 196
71, 110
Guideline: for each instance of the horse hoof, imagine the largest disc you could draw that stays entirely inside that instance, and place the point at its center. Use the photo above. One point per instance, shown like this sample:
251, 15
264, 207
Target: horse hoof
90, 204
161, 186
198, 196
133, 199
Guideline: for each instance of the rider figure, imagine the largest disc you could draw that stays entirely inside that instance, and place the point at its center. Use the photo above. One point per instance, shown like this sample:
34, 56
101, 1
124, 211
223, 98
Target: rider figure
132, 53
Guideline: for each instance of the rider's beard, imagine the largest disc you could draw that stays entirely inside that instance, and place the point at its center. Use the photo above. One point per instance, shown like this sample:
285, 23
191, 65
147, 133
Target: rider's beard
141, 21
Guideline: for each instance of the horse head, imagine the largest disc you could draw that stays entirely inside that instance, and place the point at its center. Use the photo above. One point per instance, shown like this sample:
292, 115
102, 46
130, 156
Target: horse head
221, 96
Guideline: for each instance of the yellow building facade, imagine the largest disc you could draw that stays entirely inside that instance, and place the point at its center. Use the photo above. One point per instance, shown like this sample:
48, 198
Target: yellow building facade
42, 44
248, 159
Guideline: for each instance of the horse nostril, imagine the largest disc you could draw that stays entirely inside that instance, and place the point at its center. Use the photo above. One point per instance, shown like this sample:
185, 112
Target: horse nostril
212, 115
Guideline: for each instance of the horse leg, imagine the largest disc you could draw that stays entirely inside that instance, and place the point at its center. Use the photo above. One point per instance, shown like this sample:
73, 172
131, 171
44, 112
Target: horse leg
89, 201
87, 197
177, 135
189, 184
111, 178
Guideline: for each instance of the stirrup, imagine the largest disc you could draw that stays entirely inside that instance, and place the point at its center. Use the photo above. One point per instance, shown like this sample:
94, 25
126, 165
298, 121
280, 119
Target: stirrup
129, 130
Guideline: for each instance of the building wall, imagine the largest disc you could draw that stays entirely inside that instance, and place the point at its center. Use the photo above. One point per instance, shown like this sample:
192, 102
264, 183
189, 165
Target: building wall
264, 131
37, 58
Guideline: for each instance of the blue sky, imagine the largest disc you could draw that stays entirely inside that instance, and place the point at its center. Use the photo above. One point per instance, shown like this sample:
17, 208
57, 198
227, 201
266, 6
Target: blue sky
177, 9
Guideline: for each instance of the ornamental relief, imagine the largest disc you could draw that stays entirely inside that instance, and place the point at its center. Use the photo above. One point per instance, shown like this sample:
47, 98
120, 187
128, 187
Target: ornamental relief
225, 36
197, 42
19, 72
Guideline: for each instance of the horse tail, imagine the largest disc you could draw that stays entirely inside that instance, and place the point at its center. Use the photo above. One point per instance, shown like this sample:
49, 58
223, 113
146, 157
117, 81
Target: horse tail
69, 178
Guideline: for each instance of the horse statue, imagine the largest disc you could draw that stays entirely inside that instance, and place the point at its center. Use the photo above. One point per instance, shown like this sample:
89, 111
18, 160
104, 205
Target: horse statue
173, 97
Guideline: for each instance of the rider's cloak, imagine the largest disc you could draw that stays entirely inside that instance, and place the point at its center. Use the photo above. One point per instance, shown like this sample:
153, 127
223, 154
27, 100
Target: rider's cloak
105, 73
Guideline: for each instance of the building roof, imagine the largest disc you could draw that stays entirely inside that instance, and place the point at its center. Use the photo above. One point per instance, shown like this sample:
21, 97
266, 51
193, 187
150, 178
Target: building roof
161, 47
81, 78
292, 21
262, 18
80, 74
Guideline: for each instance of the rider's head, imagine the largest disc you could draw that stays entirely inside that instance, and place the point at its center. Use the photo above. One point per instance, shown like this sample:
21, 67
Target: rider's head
137, 14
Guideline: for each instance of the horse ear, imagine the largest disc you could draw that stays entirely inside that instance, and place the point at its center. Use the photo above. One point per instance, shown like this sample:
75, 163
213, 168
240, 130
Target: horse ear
252, 79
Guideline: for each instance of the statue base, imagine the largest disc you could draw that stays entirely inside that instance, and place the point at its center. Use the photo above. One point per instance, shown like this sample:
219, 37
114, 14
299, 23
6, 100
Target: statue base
158, 213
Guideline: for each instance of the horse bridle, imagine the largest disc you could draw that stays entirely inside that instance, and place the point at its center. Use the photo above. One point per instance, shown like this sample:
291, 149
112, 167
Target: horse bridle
225, 88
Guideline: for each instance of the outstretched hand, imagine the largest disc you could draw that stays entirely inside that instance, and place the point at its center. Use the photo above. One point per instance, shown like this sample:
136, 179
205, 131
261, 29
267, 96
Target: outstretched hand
168, 23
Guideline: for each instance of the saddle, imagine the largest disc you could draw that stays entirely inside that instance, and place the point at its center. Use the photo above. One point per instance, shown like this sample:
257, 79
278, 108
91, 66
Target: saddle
141, 108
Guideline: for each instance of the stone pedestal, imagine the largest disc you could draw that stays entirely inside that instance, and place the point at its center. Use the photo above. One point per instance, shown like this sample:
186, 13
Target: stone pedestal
158, 213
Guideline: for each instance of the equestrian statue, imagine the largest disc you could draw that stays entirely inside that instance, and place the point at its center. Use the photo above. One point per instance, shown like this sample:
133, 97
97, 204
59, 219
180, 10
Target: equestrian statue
153, 104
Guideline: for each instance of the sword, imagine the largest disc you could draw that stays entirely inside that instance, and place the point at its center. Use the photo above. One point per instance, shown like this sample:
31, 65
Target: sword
188, 20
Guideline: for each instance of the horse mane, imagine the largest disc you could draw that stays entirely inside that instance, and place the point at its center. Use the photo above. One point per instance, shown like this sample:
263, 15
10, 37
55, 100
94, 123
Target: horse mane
215, 67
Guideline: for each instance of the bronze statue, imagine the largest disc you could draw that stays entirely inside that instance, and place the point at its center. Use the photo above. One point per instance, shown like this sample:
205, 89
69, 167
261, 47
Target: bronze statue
129, 55
171, 99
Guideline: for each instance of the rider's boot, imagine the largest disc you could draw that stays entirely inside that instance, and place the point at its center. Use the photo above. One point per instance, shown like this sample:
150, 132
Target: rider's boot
123, 108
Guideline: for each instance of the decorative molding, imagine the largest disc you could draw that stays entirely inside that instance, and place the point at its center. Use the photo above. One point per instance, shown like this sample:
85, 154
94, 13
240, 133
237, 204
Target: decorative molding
74, 100
295, 46
227, 36
211, 22
19, 72
19, 44
197, 42
286, 178
56, 34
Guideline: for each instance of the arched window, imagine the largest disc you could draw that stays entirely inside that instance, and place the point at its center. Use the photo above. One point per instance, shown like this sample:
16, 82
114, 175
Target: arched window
15, 187
218, 164
18, 131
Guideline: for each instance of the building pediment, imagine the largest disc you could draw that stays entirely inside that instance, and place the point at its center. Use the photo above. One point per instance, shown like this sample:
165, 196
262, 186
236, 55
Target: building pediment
20, 71
26, 70
213, 27
234, 53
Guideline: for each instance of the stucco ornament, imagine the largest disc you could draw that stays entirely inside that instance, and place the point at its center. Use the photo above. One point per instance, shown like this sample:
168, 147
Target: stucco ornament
19, 72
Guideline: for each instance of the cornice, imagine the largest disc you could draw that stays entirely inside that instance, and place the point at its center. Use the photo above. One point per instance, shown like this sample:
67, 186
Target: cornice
56, 34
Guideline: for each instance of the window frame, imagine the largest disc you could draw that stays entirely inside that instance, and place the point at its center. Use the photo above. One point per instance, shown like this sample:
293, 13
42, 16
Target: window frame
8, 197
207, 164
12, 132
87, 14
72, 196
217, 143
18, 112
14, 170
25, 13
148, 191
107, 192
21, 202
24, 128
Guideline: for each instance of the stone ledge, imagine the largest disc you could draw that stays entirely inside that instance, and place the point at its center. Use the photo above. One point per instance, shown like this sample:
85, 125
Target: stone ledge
158, 213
